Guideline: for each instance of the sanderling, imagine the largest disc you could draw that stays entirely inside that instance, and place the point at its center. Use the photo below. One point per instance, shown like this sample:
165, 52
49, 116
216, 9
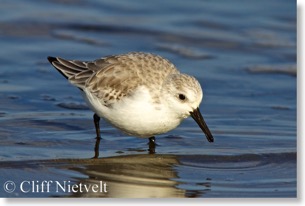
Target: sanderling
142, 94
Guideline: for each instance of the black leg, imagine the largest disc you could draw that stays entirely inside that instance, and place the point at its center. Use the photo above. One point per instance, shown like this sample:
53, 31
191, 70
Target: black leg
97, 148
96, 119
152, 145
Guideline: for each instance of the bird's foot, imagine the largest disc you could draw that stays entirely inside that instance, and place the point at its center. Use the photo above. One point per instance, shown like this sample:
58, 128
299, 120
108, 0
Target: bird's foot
97, 147
152, 145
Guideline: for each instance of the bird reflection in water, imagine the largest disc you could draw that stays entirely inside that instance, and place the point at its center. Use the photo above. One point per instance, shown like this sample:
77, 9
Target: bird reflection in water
132, 176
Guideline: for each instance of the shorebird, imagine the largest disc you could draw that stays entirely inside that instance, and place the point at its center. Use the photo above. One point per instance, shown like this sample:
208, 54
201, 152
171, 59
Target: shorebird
141, 94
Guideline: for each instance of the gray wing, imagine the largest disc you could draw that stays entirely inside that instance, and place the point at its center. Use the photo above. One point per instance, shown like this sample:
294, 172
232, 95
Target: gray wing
114, 77
106, 78
77, 72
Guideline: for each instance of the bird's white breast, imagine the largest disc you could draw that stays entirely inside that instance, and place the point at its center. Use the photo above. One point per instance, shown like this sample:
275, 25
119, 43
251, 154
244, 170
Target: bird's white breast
136, 115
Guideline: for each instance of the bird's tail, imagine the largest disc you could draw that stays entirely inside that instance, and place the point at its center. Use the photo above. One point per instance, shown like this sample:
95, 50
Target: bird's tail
77, 72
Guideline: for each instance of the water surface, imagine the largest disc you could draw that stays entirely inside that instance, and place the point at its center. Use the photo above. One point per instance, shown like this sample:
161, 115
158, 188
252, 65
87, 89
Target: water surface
242, 52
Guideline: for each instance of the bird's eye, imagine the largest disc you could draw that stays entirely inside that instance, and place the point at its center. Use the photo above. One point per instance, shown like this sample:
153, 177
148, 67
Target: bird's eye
182, 97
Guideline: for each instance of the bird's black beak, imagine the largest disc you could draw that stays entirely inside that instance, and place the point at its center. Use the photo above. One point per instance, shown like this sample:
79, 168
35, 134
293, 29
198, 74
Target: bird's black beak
200, 121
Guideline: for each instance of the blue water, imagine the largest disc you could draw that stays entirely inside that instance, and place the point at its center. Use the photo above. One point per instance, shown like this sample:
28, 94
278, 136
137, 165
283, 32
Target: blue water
242, 52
